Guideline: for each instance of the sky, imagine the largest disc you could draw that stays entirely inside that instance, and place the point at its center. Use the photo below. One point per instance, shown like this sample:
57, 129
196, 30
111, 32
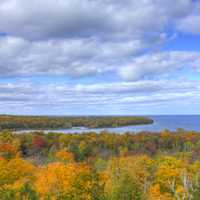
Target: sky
99, 57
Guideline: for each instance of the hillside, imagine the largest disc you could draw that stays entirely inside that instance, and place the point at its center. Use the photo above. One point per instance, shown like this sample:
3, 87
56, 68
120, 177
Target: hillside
46, 122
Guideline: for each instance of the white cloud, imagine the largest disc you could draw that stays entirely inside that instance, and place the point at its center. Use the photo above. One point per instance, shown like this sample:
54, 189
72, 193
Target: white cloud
190, 24
152, 65
84, 38
98, 18
106, 93
115, 38
88, 57
72, 57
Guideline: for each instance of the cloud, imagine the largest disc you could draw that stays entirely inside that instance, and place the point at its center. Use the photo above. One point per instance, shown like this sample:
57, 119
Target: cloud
98, 18
113, 43
35, 20
190, 24
119, 95
77, 58
86, 38
156, 64
72, 57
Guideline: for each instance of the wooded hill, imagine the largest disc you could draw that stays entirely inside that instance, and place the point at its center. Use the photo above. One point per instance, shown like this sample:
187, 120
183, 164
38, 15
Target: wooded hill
47, 122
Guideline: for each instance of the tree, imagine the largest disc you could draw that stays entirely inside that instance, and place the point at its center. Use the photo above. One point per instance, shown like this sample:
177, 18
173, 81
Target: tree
67, 181
14, 175
128, 178
65, 156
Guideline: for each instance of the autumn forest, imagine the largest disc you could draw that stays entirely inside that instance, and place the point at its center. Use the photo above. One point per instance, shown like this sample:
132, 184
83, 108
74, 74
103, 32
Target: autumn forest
53, 122
105, 166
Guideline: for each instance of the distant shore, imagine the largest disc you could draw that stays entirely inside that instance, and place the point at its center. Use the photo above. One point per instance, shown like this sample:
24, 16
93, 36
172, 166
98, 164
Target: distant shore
19, 123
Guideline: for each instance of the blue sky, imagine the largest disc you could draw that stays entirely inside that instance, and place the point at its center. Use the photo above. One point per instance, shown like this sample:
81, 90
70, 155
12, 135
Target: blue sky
99, 57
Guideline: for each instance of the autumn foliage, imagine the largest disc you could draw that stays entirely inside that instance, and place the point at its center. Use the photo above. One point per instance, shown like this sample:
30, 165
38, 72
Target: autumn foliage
105, 166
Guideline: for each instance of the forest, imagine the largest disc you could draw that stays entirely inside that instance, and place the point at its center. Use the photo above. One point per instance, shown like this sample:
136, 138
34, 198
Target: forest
46, 122
105, 166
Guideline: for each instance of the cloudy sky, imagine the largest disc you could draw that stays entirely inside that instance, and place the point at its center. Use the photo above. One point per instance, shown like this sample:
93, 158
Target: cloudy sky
76, 57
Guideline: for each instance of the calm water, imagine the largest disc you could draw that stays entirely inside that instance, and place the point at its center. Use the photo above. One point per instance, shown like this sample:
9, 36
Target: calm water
171, 122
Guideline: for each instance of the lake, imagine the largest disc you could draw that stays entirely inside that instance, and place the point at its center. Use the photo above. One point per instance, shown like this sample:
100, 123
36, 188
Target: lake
161, 122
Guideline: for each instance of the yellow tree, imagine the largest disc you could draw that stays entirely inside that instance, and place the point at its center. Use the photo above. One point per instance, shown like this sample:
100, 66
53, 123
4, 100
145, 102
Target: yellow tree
67, 181
14, 174
156, 194
128, 177
65, 156
173, 177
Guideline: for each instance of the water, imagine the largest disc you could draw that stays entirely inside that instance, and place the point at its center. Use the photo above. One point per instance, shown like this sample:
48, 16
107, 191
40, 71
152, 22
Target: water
171, 122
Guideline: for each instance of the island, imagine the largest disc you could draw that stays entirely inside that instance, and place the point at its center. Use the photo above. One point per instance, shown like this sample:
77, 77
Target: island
64, 122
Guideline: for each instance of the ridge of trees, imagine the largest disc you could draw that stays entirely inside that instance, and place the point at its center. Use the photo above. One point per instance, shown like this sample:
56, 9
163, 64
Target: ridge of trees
46, 122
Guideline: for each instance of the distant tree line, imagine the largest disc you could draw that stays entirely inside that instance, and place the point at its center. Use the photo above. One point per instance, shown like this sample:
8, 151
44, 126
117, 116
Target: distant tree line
45, 122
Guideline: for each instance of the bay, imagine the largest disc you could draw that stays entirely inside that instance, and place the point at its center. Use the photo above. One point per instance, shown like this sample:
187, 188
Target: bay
161, 122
